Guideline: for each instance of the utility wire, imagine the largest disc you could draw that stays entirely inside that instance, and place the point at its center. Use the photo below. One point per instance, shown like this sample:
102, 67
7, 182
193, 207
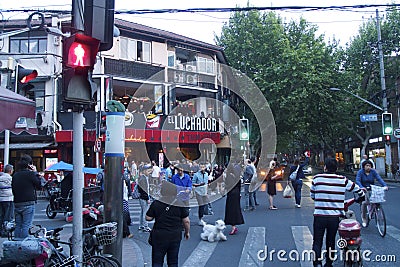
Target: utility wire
221, 10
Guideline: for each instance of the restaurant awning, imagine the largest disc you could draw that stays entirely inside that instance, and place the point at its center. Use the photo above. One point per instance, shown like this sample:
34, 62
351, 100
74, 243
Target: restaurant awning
27, 145
17, 113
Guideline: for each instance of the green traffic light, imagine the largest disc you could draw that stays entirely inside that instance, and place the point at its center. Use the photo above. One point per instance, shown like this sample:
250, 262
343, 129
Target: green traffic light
388, 130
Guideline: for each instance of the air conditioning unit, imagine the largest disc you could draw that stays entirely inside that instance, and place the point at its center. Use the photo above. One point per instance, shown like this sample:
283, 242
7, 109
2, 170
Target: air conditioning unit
191, 79
179, 66
178, 78
191, 68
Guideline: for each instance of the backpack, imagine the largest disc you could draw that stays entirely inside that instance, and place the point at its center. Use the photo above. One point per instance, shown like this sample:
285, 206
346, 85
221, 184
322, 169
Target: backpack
135, 193
293, 175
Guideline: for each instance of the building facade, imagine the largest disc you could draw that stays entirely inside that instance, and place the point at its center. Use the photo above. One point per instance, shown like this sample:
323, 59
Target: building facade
172, 88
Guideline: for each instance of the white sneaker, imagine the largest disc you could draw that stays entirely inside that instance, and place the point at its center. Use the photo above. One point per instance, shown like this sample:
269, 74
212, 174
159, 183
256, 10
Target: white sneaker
364, 223
202, 223
298, 206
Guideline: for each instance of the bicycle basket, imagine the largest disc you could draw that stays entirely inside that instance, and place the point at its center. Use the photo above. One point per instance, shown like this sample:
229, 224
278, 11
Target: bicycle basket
106, 233
377, 194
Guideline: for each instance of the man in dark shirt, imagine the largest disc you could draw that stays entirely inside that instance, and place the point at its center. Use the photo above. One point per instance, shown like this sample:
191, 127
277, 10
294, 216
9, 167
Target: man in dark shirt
24, 184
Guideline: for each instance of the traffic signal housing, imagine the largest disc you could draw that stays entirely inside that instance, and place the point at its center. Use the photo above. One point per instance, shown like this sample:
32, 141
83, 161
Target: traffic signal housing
79, 57
102, 123
387, 125
244, 132
23, 77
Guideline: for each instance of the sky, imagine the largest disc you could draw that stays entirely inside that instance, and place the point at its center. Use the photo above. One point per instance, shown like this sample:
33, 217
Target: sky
203, 26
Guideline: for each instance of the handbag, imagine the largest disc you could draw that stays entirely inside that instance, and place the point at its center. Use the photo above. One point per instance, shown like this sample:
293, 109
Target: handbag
288, 192
293, 175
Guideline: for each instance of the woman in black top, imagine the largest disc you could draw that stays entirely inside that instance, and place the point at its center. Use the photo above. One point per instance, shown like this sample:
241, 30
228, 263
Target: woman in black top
169, 215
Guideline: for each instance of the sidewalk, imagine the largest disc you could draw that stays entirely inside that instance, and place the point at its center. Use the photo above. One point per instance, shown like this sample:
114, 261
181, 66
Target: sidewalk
131, 253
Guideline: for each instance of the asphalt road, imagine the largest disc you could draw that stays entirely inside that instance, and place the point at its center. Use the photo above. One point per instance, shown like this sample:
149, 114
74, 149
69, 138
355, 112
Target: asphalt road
288, 229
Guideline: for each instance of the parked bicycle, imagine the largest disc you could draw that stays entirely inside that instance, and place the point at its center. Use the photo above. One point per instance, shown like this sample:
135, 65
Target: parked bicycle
375, 209
34, 251
94, 238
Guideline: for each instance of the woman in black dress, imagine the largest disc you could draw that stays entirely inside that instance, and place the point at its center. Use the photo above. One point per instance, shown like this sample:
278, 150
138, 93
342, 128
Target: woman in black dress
273, 175
233, 211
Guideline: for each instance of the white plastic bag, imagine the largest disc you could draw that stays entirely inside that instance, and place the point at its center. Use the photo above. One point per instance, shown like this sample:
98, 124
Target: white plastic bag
288, 192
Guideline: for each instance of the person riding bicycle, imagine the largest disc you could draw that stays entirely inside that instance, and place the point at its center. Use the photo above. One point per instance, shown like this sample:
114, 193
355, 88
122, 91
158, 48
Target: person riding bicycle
366, 177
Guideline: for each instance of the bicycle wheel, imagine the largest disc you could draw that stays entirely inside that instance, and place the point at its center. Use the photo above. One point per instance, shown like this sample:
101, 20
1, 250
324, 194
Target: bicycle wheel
380, 220
100, 261
116, 262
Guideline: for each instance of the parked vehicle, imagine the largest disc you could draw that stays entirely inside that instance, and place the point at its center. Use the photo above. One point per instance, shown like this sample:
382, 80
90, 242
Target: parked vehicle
350, 237
61, 204
34, 251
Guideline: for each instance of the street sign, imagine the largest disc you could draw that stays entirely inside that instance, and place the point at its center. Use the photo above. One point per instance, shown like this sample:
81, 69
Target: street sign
368, 117
396, 133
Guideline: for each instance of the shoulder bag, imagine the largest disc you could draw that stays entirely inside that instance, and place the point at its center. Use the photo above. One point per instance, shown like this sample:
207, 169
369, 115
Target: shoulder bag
293, 175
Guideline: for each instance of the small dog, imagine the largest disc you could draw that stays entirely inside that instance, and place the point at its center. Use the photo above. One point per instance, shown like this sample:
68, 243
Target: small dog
213, 233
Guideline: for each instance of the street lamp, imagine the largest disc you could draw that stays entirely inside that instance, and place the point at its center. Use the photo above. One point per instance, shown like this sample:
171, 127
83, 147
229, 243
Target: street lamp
357, 96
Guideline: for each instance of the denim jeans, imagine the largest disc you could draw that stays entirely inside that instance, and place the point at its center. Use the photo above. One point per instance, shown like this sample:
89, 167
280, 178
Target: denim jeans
23, 220
203, 204
330, 224
297, 185
162, 247
249, 197
144, 206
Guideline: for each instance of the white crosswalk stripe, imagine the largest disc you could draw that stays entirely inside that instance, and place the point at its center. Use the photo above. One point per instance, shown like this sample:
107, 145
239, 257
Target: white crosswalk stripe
200, 254
255, 241
393, 232
303, 240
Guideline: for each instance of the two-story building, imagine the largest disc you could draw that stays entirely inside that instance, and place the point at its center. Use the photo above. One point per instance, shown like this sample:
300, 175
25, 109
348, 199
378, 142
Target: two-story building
171, 86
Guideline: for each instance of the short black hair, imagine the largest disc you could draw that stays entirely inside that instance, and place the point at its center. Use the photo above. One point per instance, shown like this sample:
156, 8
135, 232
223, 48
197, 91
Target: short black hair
331, 165
365, 162
252, 158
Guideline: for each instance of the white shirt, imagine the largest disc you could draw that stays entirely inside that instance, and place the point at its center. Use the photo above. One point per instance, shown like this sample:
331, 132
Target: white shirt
156, 171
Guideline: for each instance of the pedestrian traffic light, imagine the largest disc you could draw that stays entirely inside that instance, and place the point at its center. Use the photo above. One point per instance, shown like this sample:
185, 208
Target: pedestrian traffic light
102, 123
387, 126
244, 133
79, 57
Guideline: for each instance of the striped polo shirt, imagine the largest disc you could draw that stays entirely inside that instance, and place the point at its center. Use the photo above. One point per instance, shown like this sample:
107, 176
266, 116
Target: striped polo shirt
328, 192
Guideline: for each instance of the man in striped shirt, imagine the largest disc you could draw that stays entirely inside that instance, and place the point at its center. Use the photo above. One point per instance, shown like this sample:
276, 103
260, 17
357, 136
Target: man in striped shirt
328, 192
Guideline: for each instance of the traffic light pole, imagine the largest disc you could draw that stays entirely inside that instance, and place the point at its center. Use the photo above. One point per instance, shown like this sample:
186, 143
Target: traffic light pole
388, 151
78, 184
78, 159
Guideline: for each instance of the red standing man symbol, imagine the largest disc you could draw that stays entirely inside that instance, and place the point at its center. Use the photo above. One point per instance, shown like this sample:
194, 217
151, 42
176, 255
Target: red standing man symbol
79, 53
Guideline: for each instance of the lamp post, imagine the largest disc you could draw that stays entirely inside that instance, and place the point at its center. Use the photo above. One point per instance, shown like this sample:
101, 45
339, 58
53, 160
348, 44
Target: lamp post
387, 147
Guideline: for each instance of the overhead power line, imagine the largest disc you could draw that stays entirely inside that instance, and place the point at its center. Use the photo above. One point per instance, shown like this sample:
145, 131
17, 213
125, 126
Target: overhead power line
221, 10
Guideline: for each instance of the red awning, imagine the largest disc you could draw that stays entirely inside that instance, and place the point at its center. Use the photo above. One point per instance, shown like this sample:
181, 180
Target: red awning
14, 106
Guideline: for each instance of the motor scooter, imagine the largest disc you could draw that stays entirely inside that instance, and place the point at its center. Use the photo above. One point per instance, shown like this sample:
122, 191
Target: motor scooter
350, 237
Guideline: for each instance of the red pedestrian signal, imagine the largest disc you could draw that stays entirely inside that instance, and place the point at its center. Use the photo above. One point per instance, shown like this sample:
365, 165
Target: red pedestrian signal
79, 57
80, 51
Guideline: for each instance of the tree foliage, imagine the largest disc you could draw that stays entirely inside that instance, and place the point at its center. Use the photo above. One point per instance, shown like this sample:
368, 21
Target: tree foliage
293, 68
